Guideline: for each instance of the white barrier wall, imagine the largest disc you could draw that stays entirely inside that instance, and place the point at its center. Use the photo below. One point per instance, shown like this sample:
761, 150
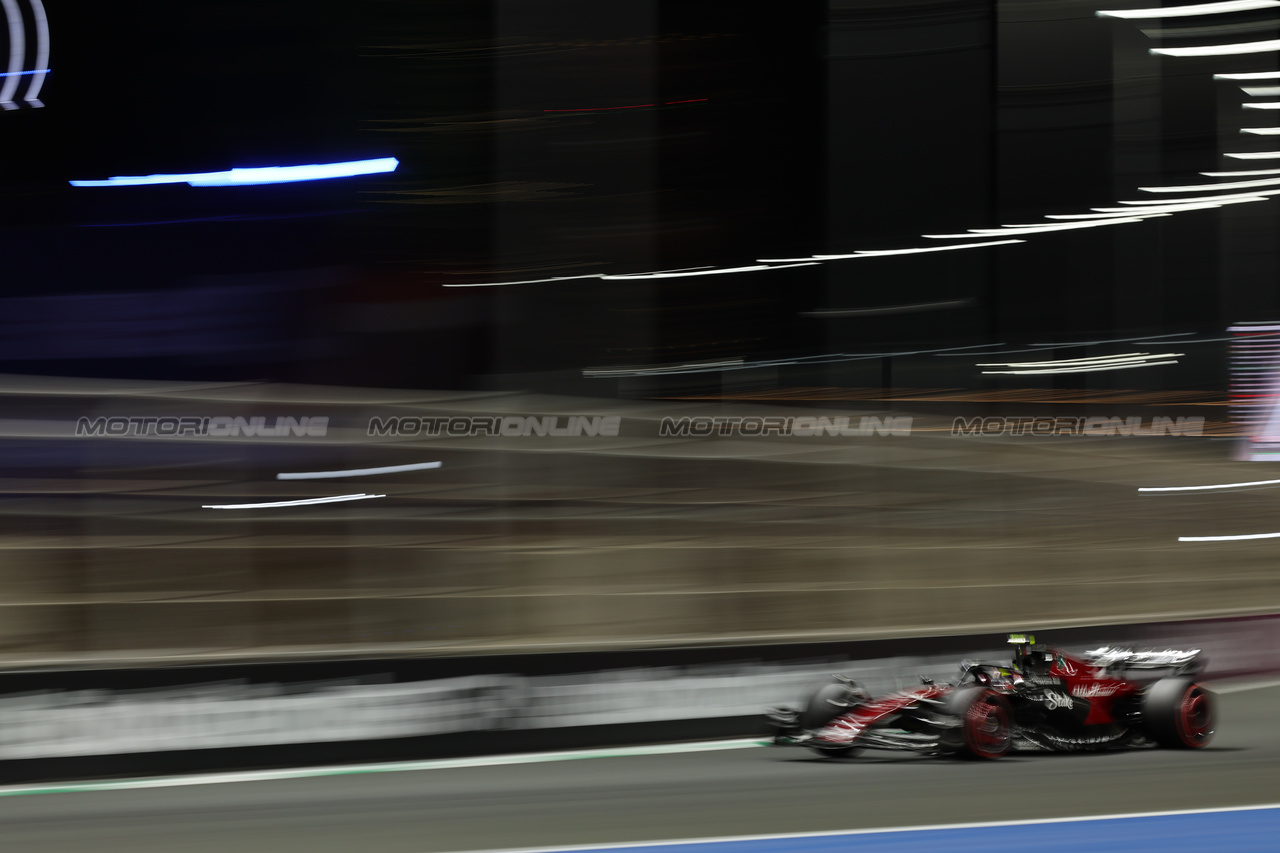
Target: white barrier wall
50, 724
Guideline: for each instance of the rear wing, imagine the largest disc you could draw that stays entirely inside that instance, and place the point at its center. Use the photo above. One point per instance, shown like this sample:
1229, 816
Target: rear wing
1178, 660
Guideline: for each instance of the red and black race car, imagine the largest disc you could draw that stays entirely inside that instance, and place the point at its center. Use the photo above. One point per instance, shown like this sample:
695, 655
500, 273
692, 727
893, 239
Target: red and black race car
1048, 700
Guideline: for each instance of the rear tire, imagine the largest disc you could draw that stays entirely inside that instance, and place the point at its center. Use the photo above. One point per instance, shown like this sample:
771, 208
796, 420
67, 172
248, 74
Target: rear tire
1179, 713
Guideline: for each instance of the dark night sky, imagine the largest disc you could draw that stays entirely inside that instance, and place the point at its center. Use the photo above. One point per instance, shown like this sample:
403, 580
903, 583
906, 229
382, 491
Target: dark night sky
824, 128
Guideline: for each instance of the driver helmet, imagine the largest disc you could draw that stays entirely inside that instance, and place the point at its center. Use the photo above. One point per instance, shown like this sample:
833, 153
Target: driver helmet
1026, 656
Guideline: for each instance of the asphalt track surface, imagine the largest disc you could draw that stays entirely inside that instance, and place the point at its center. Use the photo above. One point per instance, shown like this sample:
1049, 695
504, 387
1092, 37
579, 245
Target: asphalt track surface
647, 798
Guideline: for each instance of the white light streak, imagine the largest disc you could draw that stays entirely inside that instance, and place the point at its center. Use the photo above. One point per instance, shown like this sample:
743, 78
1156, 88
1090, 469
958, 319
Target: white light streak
1261, 91
306, 502
1261, 131
878, 252
1051, 226
1195, 188
572, 278
1085, 365
677, 269
1241, 173
1038, 229
872, 253
17, 53
358, 472
1219, 49
1145, 214
802, 260
1094, 369
1156, 207
725, 271
694, 367
1263, 105
1159, 210
1255, 155
1253, 75
42, 55
1093, 359
1176, 204
1205, 488
739, 364
1189, 11
525, 281
1229, 538
1225, 198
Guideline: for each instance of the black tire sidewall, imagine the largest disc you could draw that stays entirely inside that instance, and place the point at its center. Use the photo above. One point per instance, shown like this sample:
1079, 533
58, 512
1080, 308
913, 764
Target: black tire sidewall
1163, 711
818, 711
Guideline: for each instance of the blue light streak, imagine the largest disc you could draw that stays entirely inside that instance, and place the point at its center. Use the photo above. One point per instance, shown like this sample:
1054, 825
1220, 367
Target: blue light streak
26, 73
255, 176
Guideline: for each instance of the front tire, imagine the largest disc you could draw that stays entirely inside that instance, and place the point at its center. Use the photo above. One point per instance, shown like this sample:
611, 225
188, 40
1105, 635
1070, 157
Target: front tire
986, 724
1179, 713
827, 703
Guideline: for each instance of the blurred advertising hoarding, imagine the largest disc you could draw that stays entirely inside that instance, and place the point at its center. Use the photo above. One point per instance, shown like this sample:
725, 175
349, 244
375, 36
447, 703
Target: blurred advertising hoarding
1255, 390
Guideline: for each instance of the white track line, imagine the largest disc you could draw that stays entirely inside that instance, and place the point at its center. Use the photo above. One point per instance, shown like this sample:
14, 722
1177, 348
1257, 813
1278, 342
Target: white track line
1204, 488
1240, 537
388, 767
